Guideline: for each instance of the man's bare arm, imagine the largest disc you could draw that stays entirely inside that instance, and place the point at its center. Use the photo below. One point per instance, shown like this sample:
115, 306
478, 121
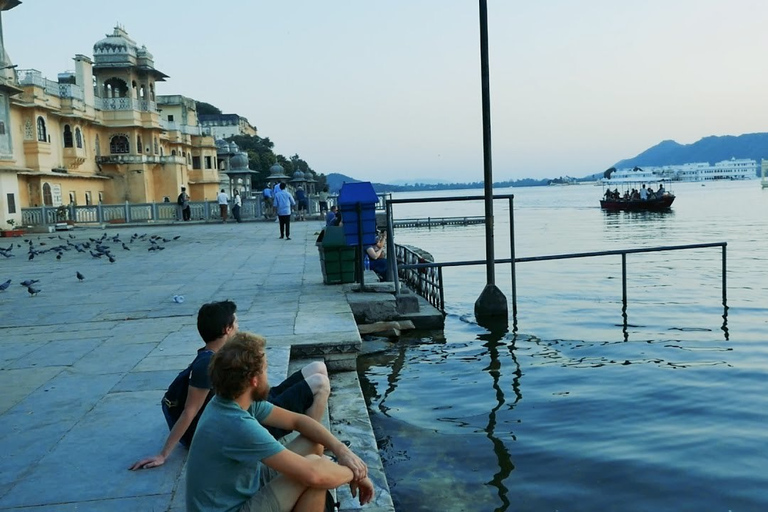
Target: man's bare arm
195, 400
317, 433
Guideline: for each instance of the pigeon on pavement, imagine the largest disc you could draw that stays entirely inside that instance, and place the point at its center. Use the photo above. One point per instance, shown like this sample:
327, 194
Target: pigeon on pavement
5, 285
80, 276
29, 282
33, 291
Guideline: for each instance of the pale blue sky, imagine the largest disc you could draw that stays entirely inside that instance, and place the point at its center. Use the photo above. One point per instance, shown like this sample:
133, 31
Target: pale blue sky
391, 90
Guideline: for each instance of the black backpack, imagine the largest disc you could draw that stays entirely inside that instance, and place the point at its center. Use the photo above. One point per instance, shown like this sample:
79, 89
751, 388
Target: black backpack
176, 396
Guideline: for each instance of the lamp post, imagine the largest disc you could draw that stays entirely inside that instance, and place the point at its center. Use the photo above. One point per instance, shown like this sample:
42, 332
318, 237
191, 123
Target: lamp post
491, 306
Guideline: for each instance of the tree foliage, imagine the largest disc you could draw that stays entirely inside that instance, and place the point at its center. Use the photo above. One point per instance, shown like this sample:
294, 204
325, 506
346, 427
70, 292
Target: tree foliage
206, 109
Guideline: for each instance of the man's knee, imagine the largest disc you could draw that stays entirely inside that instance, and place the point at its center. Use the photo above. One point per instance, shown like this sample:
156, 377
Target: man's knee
319, 384
313, 368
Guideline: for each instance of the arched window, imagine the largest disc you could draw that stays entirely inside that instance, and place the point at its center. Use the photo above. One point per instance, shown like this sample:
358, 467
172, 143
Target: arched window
119, 144
2, 128
97, 144
173, 152
151, 92
78, 137
161, 150
138, 144
67, 136
42, 133
116, 88
47, 196
157, 146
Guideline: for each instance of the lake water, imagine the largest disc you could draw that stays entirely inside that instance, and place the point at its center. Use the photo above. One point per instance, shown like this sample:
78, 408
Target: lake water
577, 409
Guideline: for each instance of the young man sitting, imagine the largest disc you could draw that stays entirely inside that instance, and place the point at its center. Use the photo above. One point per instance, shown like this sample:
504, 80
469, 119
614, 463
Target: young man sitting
306, 391
235, 464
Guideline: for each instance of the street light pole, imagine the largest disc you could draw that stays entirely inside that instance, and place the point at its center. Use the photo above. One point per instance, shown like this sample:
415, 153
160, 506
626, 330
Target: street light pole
491, 306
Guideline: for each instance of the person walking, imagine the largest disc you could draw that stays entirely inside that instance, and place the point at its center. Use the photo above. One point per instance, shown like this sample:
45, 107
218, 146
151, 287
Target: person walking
223, 205
238, 202
183, 202
266, 195
323, 203
284, 203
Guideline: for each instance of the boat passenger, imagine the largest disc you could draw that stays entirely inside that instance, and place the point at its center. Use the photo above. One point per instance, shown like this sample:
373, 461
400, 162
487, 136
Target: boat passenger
643, 193
661, 190
651, 193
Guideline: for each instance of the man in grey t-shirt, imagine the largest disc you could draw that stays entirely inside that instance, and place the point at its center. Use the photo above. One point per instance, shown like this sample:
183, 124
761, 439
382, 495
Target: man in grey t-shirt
235, 464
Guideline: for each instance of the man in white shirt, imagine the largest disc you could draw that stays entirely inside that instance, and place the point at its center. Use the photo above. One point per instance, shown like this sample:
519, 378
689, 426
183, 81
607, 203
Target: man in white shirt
223, 204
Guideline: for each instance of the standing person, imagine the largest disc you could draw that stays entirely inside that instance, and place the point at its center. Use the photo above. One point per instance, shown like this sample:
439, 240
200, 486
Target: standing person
223, 204
284, 202
234, 464
183, 202
306, 391
303, 203
323, 202
266, 195
238, 202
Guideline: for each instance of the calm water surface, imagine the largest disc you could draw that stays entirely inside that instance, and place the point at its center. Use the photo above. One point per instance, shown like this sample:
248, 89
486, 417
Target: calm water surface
574, 408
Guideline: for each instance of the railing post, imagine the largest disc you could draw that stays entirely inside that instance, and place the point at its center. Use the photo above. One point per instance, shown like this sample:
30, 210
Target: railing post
624, 279
154, 211
724, 272
207, 211
99, 213
440, 286
127, 211
512, 257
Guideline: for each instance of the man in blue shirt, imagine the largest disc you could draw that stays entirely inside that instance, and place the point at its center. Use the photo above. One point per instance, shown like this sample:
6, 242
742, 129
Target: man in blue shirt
234, 464
284, 203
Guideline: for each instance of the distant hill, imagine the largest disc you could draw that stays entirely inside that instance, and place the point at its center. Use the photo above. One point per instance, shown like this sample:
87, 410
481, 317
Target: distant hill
709, 149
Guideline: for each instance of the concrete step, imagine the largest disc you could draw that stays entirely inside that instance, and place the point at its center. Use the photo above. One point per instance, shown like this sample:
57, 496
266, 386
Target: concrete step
350, 423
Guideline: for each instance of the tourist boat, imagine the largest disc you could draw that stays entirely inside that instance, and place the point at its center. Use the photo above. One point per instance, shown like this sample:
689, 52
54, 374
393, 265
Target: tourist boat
654, 204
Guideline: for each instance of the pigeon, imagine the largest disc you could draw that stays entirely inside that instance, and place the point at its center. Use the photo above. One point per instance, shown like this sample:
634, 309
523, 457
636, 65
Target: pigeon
80, 276
58, 256
152, 248
6, 254
177, 237
96, 254
111, 259
29, 282
31, 256
5, 285
126, 247
33, 291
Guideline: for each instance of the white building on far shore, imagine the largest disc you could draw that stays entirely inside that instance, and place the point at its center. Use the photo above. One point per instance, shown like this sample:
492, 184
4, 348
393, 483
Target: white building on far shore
733, 169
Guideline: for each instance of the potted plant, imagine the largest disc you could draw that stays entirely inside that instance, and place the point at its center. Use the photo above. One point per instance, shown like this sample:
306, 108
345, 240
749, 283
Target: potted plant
14, 231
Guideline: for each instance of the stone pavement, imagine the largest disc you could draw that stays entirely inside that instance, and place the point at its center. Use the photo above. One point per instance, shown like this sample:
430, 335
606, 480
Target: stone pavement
83, 365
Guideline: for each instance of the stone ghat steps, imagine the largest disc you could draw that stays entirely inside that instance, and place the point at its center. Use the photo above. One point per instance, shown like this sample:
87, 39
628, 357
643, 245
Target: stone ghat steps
348, 420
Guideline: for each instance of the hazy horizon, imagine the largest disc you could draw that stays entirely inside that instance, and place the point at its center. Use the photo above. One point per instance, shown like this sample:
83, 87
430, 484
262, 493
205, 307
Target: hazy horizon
392, 91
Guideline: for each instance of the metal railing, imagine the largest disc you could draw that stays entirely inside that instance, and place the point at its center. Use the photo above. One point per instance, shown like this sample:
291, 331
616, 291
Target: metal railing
617, 252
132, 212
427, 281
394, 265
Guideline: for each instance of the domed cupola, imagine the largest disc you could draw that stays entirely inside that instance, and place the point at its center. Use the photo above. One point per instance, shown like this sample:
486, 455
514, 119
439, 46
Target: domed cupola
117, 48
276, 172
239, 162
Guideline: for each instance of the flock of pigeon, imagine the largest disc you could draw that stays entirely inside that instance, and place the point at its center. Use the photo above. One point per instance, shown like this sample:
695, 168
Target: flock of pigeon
98, 248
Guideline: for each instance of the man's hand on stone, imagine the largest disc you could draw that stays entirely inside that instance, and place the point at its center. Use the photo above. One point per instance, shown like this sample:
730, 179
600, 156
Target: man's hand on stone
149, 462
364, 487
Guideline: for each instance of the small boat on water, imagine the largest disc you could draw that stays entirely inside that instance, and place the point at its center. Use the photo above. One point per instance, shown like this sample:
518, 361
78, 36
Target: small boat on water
655, 204
635, 198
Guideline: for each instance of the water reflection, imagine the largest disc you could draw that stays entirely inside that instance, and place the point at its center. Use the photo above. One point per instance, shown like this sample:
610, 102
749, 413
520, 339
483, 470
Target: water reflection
493, 341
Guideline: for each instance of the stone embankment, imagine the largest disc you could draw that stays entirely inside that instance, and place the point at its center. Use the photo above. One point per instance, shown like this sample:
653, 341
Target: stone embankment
85, 362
